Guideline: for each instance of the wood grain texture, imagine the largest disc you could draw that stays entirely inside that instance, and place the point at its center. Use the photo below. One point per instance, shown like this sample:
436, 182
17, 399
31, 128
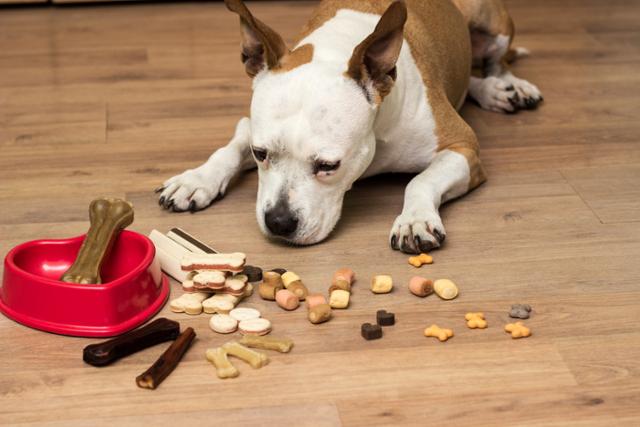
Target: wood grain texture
111, 101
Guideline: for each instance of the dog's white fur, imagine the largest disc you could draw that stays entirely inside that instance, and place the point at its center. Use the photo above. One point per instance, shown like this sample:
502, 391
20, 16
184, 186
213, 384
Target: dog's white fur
316, 112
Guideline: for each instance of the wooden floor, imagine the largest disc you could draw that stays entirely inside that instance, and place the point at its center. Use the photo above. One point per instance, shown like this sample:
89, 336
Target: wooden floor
112, 100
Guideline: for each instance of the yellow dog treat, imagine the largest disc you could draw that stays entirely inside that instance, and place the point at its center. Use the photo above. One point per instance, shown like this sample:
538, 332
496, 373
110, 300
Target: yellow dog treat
438, 332
271, 284
252, 357
445, 288
420, 260
283, 345
381, 284
224, 368
475, 320
293, 283
339, 299
340, 284
517, 330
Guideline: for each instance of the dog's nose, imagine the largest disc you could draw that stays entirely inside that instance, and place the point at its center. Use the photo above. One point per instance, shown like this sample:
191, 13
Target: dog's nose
280, 220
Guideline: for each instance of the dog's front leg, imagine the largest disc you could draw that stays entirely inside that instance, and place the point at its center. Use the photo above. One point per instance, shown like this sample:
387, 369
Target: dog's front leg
419, 227
195, 189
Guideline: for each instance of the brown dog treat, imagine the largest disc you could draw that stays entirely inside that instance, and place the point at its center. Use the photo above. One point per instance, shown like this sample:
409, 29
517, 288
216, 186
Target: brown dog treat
287, 299
107, 218
167, 362
421, 287
520, 311
254, 274
299, 290
320, 313
268, 290
370, 332
273, 278
340, 284
280, 271
385, 318
107, 352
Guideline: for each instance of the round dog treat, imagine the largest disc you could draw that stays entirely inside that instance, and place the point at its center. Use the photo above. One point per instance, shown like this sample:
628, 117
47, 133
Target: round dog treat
315, 299
445, 288
244, 313
258, 326
339, 299
254, 274
299, 290
223, 323
320, 313
287, 299
345, 274
268, 290
421, 287
280, 271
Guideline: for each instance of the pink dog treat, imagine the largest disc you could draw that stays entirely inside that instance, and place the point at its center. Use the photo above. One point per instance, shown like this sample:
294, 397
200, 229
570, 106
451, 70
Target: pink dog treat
287, 299
315, 299
421, 287
345, 274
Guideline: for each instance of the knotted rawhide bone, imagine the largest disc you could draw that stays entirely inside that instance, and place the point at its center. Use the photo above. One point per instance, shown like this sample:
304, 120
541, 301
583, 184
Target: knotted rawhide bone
107, 352
107, 217
166, 363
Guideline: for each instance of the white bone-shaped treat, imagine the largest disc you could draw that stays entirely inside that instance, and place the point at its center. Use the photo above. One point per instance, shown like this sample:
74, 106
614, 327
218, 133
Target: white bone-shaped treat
233, 262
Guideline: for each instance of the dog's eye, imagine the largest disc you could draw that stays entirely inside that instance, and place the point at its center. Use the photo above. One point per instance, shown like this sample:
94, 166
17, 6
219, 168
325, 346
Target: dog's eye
322, 166
259, 153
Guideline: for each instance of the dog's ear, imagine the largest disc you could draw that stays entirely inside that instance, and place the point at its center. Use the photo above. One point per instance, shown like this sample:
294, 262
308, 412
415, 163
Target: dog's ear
261, 46
373, 61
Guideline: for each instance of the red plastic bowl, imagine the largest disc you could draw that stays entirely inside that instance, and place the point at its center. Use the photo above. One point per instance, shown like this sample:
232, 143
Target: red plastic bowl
133, 288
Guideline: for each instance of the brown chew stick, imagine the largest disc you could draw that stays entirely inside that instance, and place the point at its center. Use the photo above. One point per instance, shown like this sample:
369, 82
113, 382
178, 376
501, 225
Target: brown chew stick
107, 217
167, 362
107, 352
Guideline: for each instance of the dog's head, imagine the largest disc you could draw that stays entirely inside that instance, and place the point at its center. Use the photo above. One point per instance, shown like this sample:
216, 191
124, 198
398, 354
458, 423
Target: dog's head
312, 122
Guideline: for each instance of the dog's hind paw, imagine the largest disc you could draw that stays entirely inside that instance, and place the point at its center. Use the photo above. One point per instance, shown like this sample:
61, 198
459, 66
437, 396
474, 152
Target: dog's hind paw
191, 190
529, 96
414, 234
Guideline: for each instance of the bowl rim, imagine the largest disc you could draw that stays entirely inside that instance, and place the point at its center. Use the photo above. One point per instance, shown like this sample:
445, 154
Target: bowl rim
122, 280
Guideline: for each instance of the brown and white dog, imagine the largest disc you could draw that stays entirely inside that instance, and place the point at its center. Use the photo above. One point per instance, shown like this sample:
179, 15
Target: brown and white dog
372, 86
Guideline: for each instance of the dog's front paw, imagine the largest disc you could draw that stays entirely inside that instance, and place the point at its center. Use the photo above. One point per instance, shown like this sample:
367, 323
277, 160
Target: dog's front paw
496, 95
415, 233
191, 190
529, 96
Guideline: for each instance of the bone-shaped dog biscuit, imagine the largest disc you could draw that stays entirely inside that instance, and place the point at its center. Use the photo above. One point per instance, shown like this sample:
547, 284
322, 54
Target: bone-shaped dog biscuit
283, 345
188, 303
224, 368
419, 260
211, 279
233, 262
475, 320
437, 332
254, 358
517, 330
107, 218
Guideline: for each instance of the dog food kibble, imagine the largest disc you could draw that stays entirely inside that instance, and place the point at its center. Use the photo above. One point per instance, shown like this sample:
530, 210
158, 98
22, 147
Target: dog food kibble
421, 287
438, 332
445, 288
280, 271
370, 332
293, 283
520, 311
287, 300
223, 323
384, 318
345, 274
517, 330
271, 284
258, 326
283, 345
339, 299
315, 299
320, 313
420, 260
381, 284
475, 320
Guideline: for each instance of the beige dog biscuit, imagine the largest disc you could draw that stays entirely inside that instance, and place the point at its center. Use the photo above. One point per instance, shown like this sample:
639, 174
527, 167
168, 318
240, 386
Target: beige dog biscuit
224, 368
381, 284
220, 303
211, 279
223, 323
255, 326
233, 262
244, 313
445, 289
271, 284
254, 358
283, 345
339, 299
188, 303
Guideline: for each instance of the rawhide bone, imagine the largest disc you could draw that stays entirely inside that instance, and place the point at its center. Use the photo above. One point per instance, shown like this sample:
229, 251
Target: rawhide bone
107, 352
107, 218
283, 345
167, 362
233, 262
